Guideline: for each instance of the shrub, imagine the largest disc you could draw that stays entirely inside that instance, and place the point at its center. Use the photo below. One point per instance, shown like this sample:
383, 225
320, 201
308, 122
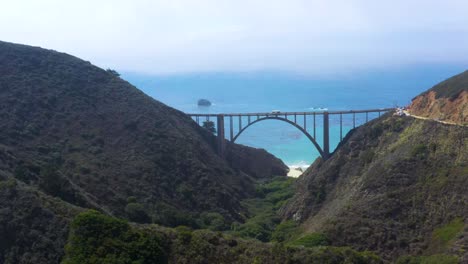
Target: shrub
113, 72
449, 231
397, 125
51, 181
209, 125
21, 173
419, 151
277, 191
184, 234
263, 209
185, 190
284, 231
10, 183
131, 199
168, 215
137, 213
256, 230
376, 131
367, 156
347, 255
97, 238
212, 220
311, 240
434, 259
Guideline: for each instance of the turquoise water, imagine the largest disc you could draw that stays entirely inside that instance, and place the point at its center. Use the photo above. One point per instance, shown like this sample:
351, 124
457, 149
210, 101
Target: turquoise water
263, 92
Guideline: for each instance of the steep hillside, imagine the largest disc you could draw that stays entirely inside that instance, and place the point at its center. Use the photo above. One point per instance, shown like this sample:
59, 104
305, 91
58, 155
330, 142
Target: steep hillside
83, 134
447, 101
33, 226
397, 186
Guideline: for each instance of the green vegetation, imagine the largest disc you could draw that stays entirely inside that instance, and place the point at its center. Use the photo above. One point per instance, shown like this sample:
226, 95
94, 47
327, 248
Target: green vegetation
51, 181
434, 259
97, 238
137, 213
285, 231
65, 152
367, 156
213, 221
409, 178
264, 223
419, 151
210, 126
449, 231
21, 173
442, 237
184, 234
311, 240
8, 184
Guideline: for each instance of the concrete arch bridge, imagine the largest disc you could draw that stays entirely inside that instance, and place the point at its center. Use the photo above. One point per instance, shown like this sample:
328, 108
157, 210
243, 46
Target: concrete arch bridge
306, 122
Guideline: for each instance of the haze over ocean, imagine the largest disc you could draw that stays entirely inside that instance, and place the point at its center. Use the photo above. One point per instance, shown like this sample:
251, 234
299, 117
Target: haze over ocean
263, 92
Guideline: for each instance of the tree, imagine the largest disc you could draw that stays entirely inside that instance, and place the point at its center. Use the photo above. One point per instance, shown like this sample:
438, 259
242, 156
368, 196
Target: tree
114, 72
51, 181
137, 213
209, 125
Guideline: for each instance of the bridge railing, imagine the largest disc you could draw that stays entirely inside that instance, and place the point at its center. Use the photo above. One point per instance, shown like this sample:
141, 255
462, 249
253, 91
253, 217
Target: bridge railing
382, 110
298, 119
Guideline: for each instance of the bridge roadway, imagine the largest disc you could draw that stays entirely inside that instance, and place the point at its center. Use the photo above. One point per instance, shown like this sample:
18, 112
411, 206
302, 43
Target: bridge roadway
296, 119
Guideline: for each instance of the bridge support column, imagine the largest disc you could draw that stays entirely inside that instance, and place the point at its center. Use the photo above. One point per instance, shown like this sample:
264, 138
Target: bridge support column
326, 136
221, 141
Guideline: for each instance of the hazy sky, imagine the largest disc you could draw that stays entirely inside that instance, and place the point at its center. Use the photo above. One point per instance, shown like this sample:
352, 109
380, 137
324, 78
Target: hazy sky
304, 36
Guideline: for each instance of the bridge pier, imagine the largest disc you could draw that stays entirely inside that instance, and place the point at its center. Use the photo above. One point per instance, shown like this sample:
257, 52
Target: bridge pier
231, 128
326, 136
221, 141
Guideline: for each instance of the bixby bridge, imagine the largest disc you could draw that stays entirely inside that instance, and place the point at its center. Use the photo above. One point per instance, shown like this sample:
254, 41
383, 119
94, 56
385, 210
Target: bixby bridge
306, 122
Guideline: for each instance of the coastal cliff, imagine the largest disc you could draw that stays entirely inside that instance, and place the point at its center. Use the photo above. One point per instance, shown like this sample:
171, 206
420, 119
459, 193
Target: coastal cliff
447, 101
396, 185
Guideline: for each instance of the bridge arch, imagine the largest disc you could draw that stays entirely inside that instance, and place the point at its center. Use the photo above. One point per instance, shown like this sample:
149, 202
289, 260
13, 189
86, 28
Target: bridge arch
317, 146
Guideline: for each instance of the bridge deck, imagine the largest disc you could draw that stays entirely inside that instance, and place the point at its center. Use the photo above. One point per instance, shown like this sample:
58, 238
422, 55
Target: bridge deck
297, 113
288, 117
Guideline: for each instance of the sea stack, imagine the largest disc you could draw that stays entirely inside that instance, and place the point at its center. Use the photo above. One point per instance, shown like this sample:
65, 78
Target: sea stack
204, 102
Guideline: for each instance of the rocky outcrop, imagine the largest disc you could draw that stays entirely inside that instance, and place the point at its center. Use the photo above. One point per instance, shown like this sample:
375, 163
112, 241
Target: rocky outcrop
444, 109
447, 101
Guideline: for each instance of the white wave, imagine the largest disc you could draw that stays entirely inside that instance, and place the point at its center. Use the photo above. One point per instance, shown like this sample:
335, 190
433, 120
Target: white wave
317, 108
299, 165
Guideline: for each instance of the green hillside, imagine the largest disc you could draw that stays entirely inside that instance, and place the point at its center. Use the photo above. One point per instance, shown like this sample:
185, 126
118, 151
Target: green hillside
74, 132
392, 184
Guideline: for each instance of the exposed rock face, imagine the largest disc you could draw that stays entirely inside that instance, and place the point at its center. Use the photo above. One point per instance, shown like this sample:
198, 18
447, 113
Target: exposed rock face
108, 141
387, 187
447, 101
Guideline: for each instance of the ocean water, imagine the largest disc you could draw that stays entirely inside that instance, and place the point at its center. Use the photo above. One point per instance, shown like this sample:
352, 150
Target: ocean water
264, 92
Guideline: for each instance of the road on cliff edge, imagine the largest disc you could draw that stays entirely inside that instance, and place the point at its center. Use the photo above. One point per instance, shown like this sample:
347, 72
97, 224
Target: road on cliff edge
427, 118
